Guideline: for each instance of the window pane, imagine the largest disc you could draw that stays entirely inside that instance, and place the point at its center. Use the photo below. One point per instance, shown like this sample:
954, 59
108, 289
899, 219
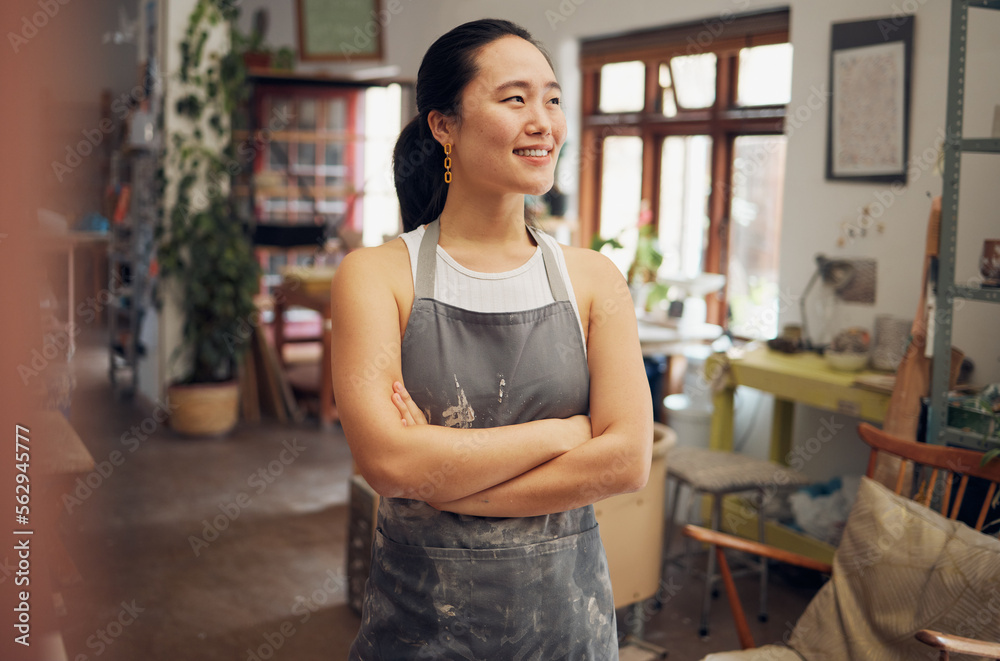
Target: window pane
307, 114
694, 80
379, 206
755, 228
305, 157
623, 87
334, 154
665, 80
282, 107
277, 261
685, 184
278, 155
333, 164
621, 190
765, 76
669, 103
336, 115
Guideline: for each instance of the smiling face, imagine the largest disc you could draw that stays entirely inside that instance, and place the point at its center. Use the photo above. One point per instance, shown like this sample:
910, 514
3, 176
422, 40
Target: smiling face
511, 123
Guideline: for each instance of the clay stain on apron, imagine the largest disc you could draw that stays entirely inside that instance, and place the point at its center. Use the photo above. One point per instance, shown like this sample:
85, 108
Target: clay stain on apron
460, 415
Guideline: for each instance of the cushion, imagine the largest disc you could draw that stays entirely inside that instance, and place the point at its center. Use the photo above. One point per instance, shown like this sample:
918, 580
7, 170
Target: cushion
716, 471
901, 567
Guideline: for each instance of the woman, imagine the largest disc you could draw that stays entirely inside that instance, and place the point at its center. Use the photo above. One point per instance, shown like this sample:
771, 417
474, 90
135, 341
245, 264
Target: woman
489, 381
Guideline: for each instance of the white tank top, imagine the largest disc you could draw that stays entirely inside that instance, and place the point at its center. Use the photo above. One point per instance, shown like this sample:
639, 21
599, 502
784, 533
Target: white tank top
523, 288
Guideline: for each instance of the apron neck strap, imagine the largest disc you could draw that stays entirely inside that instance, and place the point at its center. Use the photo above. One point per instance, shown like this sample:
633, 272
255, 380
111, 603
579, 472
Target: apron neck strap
556, 283
427, 264
427, 261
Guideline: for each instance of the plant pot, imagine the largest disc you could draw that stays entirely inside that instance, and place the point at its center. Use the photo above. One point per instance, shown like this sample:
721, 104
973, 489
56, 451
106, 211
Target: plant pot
257, 60
204, 409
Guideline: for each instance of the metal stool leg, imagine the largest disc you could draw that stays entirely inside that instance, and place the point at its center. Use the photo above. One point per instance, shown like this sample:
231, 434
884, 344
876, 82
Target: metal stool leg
693, 502
672, 524
706, 605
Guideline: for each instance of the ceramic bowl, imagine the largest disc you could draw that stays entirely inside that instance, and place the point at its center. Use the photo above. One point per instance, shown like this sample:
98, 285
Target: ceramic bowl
846, 361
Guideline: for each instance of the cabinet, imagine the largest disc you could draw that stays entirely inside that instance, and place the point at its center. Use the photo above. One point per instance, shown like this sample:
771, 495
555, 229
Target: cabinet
938, 432
301, 175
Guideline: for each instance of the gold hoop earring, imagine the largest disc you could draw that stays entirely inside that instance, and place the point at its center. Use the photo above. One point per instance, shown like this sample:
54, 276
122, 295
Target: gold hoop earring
447, 163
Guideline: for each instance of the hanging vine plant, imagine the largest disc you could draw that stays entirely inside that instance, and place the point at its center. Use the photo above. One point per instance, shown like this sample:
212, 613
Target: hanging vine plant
201, 244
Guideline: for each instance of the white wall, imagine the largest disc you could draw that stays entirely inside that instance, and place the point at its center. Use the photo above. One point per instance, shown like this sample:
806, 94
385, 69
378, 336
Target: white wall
814, 209
405, 26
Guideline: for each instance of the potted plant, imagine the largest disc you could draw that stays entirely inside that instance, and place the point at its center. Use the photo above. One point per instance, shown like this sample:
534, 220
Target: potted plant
989, 403
204, 251
253, 51
251, 47
641, 276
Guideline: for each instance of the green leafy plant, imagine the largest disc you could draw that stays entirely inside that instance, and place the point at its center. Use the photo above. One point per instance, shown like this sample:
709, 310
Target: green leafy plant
987, 405
284, 58
255, 47
645, 264
202, 246
648, 257
597, 243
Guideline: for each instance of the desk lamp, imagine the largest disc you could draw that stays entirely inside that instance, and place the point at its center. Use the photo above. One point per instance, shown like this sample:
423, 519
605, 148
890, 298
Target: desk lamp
852, 280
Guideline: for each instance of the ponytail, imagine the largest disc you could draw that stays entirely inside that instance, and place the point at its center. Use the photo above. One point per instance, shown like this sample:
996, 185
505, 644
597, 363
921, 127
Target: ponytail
418, 172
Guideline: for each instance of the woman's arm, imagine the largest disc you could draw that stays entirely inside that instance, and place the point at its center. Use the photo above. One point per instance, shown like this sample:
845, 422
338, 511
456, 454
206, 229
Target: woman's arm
371, 297
617, 459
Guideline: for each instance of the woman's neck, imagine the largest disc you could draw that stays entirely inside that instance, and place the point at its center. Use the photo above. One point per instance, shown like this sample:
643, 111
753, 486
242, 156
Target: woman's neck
485, 233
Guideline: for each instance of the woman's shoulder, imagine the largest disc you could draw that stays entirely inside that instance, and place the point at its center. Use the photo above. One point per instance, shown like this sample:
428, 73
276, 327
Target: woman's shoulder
589, 266
388, 263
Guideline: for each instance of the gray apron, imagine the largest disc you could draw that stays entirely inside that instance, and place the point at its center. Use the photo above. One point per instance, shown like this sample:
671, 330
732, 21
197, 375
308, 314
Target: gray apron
453, 586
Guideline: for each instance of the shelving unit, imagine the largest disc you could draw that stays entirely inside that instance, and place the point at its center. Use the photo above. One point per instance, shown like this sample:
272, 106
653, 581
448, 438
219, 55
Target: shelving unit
938, 432
306, 178
129, 256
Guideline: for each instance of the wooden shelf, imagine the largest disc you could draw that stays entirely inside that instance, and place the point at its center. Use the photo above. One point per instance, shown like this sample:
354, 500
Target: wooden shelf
981, 145
976, 293
292, 77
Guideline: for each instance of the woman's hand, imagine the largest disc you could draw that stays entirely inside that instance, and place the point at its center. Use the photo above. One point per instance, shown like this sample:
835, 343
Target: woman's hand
578, 428
408, 409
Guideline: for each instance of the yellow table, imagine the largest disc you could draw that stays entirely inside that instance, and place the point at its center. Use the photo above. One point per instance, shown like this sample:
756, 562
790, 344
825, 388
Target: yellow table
792, 378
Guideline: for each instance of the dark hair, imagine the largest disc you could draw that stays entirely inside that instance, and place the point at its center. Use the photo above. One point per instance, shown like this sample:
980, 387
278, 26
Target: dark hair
448, 66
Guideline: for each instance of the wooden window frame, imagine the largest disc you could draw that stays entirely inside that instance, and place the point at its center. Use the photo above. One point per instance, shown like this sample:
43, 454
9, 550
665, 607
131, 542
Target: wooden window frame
724, 121
258, 139
352, 139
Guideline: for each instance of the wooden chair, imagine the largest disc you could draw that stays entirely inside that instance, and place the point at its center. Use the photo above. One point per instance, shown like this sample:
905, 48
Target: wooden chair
958, 645
930, 465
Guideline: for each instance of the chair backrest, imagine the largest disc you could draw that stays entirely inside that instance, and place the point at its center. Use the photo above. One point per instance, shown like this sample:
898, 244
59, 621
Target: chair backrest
939, 461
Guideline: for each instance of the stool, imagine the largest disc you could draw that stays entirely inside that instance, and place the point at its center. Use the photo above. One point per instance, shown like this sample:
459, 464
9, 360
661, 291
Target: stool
716, 474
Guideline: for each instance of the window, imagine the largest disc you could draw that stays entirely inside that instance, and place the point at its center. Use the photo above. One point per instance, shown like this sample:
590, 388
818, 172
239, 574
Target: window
683, 128
309, 170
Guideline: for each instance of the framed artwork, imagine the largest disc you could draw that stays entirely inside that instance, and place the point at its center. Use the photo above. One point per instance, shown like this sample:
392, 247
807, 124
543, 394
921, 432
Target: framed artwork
869, 109
343, 30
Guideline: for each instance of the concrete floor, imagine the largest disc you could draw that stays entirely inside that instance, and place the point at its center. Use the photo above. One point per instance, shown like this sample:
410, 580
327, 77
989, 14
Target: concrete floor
234, 549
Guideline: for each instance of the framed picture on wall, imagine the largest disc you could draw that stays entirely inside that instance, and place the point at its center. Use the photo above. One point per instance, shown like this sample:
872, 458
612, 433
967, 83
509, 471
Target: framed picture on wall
343, 30
869, 108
